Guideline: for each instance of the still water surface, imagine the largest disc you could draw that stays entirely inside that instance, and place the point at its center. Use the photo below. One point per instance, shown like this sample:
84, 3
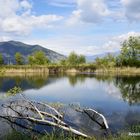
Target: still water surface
117, 97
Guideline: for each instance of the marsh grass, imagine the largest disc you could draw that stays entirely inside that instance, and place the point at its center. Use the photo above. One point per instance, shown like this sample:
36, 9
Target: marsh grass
119, 71
57, 68
18, 136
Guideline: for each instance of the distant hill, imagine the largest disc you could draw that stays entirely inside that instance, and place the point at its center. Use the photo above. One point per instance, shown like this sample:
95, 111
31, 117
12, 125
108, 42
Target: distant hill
9, 48
93, 57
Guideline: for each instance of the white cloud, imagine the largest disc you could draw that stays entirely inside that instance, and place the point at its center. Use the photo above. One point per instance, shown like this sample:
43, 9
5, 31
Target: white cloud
90, 11
113, 91
8, 7
25, 4
108, 47
16, 17
80, 45
123, 37
114, 43
94, 11
62, 3
15, 25
132, 9
5, 38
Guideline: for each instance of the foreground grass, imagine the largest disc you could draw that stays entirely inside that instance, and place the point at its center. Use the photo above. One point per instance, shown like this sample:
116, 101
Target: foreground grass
18, 136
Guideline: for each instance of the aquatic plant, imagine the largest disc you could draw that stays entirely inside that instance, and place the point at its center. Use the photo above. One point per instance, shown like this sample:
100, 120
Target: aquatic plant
14, 91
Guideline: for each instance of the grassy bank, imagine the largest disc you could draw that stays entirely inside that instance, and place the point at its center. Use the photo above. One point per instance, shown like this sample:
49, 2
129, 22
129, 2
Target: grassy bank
47, 69
15, 69
119, 71
18, 136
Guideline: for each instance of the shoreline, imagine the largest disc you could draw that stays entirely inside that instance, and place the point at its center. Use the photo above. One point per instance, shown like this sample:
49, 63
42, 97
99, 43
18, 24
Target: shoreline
40, 70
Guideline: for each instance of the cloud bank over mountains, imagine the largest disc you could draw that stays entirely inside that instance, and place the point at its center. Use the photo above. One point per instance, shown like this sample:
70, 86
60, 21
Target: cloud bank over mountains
85, 26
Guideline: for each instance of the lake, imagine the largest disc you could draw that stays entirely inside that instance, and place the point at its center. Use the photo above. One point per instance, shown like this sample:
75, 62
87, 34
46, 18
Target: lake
116, 97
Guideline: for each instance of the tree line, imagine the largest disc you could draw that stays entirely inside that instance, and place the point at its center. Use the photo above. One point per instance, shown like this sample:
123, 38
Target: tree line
129, 56
39, 58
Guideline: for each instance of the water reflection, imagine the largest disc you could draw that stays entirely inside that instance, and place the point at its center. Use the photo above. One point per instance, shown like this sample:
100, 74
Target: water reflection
105, 78
130, 88
117, 97
74, 79
25, 82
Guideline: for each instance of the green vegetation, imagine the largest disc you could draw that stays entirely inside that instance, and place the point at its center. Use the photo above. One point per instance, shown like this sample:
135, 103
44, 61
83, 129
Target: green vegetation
129, 57
122, 82
73, 60
19, 59
126, 84
1, 60
18, 136
38, 58
130, 53
14, 91
106, 62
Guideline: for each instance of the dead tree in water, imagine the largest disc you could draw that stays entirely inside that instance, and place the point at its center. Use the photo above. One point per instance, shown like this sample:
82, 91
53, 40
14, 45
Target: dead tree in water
38, 113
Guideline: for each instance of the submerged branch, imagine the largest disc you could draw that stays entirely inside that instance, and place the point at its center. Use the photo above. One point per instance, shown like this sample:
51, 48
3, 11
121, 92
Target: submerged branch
55, 120
89, 113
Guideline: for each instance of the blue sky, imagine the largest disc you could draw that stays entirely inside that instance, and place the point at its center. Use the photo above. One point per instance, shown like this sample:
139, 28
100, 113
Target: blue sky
88, 27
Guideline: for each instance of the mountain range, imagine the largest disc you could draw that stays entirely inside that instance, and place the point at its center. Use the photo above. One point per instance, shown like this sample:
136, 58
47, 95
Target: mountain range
9, 48
93, 57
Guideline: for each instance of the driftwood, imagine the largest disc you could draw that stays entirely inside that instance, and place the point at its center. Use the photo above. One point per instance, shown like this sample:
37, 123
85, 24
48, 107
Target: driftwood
37, 113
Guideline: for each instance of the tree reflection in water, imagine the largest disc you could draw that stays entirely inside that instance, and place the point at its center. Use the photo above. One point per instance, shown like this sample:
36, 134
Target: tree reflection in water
24, 82
129, 88
75, 79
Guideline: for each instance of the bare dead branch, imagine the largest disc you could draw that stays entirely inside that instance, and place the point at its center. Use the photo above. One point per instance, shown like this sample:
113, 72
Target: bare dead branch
47, 118
87, 111
45, 122
52, 108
